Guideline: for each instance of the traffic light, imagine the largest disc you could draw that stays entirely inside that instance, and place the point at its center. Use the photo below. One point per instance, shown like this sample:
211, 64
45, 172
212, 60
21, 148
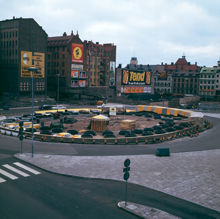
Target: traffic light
126, 169
21, 129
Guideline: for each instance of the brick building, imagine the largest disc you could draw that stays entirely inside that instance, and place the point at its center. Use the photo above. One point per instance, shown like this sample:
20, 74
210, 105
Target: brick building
185, 77
99, 63
23, 43
65, 71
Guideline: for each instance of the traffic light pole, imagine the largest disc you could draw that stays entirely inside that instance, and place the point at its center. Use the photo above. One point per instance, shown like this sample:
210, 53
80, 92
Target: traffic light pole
32, 115
126, 192
126, 170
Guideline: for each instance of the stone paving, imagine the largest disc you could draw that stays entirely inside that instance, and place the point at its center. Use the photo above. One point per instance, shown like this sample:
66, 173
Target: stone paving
193, 176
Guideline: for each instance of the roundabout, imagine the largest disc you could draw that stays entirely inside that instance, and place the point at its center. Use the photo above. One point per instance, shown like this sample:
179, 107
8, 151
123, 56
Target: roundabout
191, 176
133, 125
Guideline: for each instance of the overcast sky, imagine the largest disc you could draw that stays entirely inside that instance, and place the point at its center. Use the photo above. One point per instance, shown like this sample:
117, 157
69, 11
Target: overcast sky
154, 31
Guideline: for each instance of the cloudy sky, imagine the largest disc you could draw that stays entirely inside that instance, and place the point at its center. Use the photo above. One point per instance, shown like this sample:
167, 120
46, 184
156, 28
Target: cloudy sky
154, 31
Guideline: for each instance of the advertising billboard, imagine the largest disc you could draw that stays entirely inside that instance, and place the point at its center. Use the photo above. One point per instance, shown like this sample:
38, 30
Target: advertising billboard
82, 83
136, 90
74, 83
76, 67
77, 53
29, 59
74, 74
38, 61
136, 77
26, 62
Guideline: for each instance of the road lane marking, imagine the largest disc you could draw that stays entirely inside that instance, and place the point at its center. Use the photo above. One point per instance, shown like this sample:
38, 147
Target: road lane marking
8, 174
2, 180
27, 168
15, 170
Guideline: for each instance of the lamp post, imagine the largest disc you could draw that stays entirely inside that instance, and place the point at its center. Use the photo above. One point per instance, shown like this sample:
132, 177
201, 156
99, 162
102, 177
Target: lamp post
32, 70
58, 88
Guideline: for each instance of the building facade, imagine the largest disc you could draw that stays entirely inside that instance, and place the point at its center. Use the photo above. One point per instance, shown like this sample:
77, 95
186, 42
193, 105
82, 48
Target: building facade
162, 81
209, 82
65, 64
23, 44
185, 77
99, 63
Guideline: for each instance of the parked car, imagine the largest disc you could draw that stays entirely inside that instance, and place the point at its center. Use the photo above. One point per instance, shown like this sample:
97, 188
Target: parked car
45, 107
58, 107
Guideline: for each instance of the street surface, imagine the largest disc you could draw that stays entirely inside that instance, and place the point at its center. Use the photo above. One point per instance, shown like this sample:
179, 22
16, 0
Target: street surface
48, 195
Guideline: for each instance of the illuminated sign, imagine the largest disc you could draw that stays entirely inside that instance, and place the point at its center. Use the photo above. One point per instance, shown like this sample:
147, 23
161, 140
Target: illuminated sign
29, 59
136, 77
77, 53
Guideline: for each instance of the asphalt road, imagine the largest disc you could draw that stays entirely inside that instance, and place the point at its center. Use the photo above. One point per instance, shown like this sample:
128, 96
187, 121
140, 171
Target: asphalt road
55, 196
207, 140
50, 195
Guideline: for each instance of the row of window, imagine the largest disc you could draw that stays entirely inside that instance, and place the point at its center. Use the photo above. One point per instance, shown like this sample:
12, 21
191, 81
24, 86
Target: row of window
162, 84
8, 44
10, 34
208, 76
26, 86
208, 87
184, 79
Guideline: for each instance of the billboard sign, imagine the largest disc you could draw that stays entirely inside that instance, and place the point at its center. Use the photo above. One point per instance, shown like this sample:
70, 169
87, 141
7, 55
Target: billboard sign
77, 53
76, 67
136, 77
29, 59
74, 83
136, 90
82, 83
74, 74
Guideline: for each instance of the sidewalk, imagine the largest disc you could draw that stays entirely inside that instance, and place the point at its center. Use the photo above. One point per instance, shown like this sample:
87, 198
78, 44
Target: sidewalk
193, 176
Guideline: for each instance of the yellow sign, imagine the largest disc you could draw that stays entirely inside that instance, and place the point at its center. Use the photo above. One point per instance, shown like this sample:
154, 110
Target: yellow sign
32, 60
39, 63
26, 62
137, 76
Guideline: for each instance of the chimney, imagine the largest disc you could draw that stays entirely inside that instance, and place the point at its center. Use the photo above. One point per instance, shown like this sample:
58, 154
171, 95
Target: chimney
64, 34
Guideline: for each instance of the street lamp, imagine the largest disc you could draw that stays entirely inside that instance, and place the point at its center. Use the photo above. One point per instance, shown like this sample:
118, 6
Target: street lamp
32, 70
58, 88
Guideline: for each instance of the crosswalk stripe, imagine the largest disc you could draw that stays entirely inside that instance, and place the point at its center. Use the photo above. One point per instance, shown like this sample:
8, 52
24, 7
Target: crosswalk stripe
15, 170
2, 180
27, 168
8, 174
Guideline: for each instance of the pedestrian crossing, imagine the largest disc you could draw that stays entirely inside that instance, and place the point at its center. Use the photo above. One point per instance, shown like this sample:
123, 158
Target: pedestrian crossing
15, 170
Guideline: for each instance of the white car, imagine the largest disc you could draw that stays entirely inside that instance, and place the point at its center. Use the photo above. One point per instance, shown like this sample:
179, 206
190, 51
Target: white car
58, 107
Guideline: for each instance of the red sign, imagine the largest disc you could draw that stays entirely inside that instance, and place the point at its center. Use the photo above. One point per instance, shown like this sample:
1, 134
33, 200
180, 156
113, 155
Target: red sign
77, 53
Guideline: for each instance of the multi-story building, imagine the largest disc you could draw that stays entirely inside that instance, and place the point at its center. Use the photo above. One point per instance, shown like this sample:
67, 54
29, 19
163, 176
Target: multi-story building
134, 79
209, 82
162, 81
185, 77
65, 64
23, 44
99, 62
